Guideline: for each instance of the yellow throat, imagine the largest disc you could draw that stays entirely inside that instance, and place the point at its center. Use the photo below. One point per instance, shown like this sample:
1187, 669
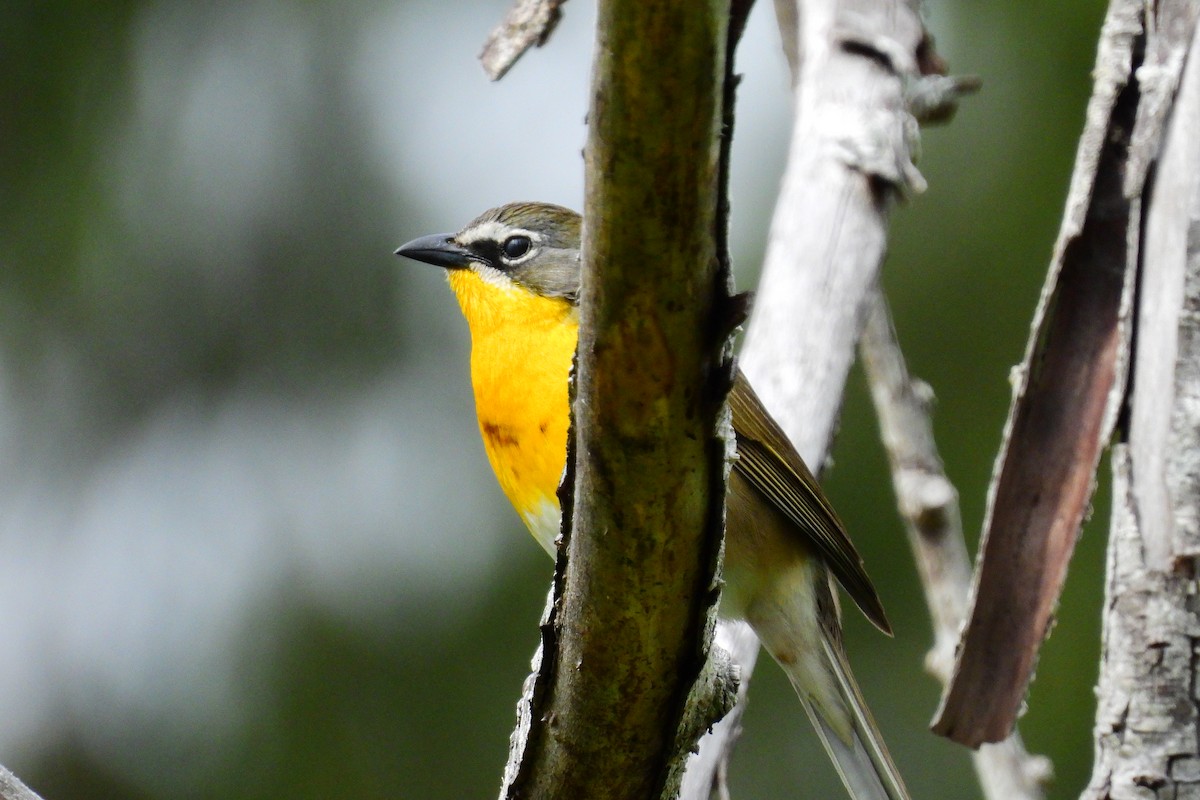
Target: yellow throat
521, 350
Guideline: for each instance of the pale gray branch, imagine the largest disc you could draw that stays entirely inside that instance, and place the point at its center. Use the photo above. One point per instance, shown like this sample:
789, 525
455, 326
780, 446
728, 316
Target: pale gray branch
1164, 316
928, 504
849, 160
707, 769
1146, 719
1147, 716
11, 788
527, 23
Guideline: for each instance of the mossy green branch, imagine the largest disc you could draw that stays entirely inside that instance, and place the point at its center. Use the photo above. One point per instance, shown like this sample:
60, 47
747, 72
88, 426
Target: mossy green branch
652, 370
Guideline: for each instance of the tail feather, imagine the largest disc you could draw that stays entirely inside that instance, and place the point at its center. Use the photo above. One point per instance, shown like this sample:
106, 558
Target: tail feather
849, 733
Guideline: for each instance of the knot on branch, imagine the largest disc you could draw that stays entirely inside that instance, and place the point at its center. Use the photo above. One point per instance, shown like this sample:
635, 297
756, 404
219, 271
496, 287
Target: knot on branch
925, 497
933, 99
712, 696
878, 138
882, 144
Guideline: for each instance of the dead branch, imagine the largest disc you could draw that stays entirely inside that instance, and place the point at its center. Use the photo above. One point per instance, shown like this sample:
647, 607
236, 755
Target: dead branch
527, 24
928, 504
1071, 385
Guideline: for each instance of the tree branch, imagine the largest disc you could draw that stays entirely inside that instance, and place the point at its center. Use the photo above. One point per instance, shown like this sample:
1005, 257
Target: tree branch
1166, 289
928, 504
1147, 716
1071, 386
527, 23
1061, 415
11, 788
628, 639
849, 160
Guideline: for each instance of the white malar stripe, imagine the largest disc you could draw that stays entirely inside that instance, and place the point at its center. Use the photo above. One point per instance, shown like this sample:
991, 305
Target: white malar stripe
544, 523
493, 276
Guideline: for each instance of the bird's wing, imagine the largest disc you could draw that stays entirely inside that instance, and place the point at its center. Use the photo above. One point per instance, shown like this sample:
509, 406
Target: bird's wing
769, 462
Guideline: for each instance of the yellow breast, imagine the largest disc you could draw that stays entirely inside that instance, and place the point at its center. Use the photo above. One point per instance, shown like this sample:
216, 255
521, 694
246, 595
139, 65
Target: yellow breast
521, 350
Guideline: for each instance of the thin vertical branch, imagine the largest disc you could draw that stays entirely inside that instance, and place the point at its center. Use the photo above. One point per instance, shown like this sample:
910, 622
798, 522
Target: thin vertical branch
928, 504
850, 159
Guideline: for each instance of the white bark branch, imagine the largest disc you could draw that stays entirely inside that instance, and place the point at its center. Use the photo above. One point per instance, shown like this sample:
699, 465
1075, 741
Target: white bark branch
1147, 716
928, 504
708, 768
1160, 392
11, 788
850, 158
1146, 721
527, 24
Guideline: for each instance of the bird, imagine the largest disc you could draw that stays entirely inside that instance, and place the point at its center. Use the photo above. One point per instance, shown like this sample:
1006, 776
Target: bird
516, 270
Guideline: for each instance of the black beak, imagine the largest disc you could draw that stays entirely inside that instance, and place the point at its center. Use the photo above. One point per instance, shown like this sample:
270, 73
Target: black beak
440, 250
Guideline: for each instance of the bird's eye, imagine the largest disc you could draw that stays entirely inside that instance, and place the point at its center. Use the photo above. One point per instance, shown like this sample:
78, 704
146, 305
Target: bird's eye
516, 246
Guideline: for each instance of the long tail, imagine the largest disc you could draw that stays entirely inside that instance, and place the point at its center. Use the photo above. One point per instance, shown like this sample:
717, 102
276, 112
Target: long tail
847, 729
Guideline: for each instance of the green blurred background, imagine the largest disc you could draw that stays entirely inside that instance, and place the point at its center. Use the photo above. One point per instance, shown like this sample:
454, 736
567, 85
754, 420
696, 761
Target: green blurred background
249, 543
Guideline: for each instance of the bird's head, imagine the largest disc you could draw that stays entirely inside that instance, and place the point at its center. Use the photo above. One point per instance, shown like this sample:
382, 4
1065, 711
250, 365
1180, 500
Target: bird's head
530, 247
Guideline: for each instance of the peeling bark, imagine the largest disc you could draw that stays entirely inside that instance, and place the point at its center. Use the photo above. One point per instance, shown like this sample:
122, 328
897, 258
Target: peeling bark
928, 504
1071, 386
1147, 719
1065, 399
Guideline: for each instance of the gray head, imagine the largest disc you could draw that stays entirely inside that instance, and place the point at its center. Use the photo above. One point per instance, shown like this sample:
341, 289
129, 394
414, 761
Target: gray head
534, 245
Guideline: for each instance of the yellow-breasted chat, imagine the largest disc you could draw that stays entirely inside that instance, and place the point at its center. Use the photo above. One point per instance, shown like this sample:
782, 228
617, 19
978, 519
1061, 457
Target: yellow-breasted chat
515, 271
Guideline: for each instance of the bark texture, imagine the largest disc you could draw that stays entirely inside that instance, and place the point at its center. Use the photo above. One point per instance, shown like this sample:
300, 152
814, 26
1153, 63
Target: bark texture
928, 505
1148, 714
11, 788
850, 158
1066, 396
1072, 385
527, 24
1146, 720
612, 713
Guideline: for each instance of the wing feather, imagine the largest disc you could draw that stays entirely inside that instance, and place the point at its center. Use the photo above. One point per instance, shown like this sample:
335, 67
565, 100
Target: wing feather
769, 462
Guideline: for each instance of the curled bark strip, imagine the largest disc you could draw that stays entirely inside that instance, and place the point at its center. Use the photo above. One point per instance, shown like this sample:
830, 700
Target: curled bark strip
1072, 384
1066, 395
